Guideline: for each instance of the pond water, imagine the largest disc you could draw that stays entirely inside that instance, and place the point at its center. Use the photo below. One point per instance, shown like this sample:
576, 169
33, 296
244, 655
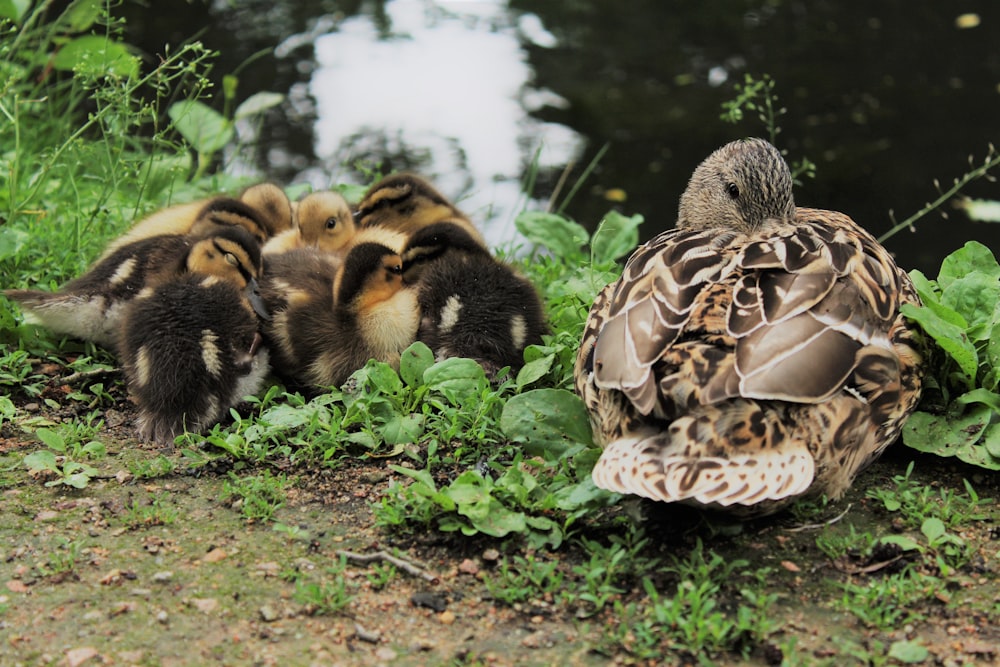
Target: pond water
471, 93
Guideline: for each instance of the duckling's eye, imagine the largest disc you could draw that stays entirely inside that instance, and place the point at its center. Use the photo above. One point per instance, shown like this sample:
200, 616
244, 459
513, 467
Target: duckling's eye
733, 190
231, 259
331, 223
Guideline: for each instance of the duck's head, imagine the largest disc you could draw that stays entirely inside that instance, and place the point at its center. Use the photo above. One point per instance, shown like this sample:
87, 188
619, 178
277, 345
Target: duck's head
432, 242
371, 273
737, 188
223, 212
272, 206
325, 221
232, 255
403, 201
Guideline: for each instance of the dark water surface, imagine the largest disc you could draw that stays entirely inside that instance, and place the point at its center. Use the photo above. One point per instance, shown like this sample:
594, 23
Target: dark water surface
883, 98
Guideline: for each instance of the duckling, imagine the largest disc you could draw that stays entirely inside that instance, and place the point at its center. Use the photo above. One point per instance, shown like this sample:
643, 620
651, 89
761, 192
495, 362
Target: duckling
90, 307
329, 317
407, 202
324, 221
190, 347
471, 304
269, 213
753, 354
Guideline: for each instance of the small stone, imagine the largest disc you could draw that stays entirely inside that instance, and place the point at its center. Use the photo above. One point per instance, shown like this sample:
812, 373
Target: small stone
424, 644
790, 566
385, 654
491, 555
430, 599
123, 476
162, 617
31, 407
215, 555
536, 640
269, 614
205, 605
468, 566
163, 577
78, 656
16, 586
446, 617
141, 592
112, 577
93, 616
46, 515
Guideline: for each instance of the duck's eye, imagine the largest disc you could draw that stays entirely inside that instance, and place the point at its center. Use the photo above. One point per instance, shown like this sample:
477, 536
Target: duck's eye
231, 259
331, 223
733, 190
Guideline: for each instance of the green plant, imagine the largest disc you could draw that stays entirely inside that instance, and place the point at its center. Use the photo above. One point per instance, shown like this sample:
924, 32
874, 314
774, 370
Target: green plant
960, 411
917, 502
380, 575
325, 597
64, 559
63, 446
525, 578
889, 602
258, 496
758, 95
159, 466
156, 513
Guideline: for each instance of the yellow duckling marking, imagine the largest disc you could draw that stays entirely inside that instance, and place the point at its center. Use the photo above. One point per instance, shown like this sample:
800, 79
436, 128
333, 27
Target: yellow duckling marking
123, 272
518, 330
210, 353
450, 313
143, 366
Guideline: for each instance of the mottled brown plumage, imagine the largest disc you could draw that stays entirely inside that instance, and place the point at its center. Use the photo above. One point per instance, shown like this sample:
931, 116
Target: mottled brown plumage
751, 355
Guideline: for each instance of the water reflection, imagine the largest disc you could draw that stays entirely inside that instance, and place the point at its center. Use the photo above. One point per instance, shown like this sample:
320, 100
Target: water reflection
442, 92
884, 99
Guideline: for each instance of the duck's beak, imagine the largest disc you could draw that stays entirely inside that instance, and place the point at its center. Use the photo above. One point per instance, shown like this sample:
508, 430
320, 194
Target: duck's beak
252, 292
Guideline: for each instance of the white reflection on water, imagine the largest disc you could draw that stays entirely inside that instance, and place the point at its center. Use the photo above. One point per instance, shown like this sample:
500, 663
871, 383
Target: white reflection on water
450, 84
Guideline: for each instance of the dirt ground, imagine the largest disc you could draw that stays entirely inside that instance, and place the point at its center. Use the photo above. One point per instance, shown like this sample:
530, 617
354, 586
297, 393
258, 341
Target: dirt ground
85, 580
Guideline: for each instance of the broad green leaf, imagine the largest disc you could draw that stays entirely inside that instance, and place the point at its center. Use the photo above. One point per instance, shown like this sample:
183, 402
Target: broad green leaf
414, 361
14, 9
52, 439
547, 421
586, 494
80, 15
908, 652
383, 378
97, 56
975, 297
456, 378
403, 429
949, 336
43, 459
971, 258
95, 449
933, 528
257, 103
561, 236
352, 193
903, 542
991, 441
953, 436
204, 128
981, 396
534, 371
12, 241
616, 236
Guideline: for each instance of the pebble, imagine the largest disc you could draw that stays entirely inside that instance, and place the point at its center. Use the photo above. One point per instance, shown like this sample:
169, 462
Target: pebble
446, 617
163, 577
205, 605
215, 555
162, 617
93, 616
269, 614
468, 566
78, 656
385, 654
491, 555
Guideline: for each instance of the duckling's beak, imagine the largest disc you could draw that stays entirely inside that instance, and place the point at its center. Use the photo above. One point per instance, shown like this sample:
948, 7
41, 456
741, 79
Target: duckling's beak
255, 344
252, 292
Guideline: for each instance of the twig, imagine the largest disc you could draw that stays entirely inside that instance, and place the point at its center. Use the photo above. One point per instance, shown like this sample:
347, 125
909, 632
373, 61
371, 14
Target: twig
86, 375
403, 565
991, 161
824, 524
868, 569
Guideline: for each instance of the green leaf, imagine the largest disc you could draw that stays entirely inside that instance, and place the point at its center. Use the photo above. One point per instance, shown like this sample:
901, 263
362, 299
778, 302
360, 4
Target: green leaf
973, 257
616, 236
403, 429
933, 528
414, 362
471, 494
949, 335
981, 396
974, 297
547, 421
94, 449
14, 9
43, 459
12, 241
902, 541
534, 371
80, 15
383, 378
560, 235
456, 378
908, 652
52, 439
991, 442
204, 128
257, 103
954, 436
97, 56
